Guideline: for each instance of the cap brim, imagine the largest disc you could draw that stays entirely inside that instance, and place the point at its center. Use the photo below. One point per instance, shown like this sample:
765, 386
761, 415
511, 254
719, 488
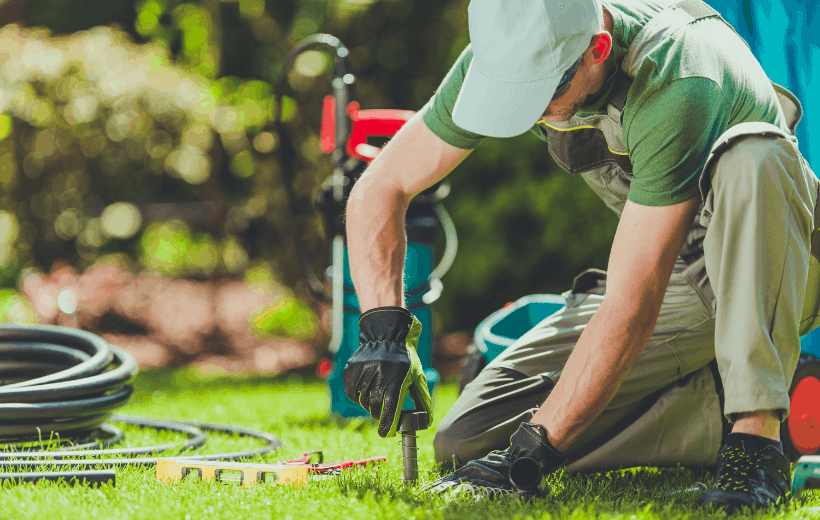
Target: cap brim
499, 108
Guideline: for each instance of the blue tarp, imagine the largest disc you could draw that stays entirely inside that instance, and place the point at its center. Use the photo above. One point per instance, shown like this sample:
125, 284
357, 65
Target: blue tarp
785, 37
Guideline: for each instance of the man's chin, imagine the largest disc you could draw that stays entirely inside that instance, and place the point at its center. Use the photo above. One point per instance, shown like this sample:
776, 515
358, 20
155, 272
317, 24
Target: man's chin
559, 118
565, 115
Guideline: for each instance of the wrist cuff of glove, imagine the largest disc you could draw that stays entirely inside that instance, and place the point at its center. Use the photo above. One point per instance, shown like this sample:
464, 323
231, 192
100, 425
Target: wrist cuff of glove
531, 441
390, 324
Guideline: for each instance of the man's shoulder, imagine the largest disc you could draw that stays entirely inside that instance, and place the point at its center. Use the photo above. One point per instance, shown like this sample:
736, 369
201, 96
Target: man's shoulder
707, 47
704, 58
437, 114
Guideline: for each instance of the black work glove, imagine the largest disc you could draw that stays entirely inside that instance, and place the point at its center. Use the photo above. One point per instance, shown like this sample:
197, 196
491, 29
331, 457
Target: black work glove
491, 474
386, 367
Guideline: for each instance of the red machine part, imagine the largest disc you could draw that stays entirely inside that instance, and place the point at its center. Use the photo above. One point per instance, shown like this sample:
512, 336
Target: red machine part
320, 467
804, 416
324, 368
800, 432
365, 123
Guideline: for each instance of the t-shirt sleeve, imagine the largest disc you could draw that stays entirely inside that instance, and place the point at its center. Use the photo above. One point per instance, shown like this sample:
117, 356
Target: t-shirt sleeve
437, 114
669, 137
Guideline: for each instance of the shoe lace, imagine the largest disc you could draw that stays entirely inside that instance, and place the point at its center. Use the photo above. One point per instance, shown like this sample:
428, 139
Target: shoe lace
737, 469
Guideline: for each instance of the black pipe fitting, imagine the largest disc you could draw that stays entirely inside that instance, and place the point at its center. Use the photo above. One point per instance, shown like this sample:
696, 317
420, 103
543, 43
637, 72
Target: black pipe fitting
526, 477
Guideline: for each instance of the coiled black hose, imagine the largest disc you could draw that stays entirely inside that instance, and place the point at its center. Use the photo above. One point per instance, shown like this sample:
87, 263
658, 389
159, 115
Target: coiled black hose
67, 382
62, 380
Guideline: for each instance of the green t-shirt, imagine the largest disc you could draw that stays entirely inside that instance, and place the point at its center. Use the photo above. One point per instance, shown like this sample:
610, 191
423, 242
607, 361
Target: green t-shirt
687, 92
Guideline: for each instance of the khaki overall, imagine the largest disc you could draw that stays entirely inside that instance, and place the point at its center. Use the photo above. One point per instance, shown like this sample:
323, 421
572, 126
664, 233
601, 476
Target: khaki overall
727, 338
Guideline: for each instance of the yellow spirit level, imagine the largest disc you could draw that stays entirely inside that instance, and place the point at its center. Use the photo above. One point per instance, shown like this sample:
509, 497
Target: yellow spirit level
244, 474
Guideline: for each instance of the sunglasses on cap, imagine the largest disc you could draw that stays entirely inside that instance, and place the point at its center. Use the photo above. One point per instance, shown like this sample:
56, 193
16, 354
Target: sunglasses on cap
563, 85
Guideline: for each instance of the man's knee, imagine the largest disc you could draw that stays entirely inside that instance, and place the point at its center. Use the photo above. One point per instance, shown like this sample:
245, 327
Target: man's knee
446, 447
487, 412
454, 442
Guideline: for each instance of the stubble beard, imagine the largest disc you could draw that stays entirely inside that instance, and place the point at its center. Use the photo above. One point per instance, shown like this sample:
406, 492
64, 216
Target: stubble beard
563, 114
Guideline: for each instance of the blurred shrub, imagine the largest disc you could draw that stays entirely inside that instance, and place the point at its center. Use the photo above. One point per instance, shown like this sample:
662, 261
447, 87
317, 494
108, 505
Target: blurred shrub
163, 152
108, 146
199, 51
290, 318
97, 124
15, 308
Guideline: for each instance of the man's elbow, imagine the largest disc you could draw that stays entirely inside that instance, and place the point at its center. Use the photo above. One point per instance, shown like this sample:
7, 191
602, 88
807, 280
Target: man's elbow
371, 195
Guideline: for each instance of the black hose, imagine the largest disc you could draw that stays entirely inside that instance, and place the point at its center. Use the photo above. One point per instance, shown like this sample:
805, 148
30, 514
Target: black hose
272, 444
78, 381
90, 478
196, 439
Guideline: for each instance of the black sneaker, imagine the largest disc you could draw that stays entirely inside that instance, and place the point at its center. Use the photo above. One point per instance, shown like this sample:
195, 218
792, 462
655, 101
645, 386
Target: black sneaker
751, 472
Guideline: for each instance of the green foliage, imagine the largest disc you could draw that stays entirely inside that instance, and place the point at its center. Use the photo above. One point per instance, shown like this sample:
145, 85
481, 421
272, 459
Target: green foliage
5, 126
168, 248
14, 308
98, 163
204, 255
177, 131
288, 317
190, 24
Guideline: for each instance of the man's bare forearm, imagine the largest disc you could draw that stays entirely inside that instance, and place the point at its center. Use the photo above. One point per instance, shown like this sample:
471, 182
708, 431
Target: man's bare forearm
643, 255
376, 242
414, 160
606, 350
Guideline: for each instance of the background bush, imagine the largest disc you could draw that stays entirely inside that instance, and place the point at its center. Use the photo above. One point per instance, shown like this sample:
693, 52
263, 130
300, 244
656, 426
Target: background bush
140, 134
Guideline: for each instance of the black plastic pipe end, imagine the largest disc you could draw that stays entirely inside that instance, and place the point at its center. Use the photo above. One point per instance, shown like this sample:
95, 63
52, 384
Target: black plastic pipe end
525, 475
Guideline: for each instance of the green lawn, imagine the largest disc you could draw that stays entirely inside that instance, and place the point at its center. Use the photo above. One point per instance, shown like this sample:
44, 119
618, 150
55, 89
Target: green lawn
296, 411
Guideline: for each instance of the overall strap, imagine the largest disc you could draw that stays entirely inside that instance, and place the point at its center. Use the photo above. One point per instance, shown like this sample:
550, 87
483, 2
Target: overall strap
620, 90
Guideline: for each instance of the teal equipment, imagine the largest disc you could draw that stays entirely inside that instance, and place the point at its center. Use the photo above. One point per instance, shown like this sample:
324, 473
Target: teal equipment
810, 343
500, 329
806, 475
347, 134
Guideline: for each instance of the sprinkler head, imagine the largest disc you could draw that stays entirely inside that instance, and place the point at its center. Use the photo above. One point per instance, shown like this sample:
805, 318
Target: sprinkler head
413, 420
410, 421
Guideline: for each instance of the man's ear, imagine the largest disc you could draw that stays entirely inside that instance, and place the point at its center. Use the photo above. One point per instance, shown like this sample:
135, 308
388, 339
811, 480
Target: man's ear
601, 46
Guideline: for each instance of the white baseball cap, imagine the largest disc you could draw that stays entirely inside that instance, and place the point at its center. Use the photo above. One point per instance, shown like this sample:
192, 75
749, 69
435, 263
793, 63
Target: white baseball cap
521, 49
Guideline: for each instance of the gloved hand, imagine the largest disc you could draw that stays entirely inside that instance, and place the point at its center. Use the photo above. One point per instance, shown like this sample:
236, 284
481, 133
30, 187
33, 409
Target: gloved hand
491, 474
386, 367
